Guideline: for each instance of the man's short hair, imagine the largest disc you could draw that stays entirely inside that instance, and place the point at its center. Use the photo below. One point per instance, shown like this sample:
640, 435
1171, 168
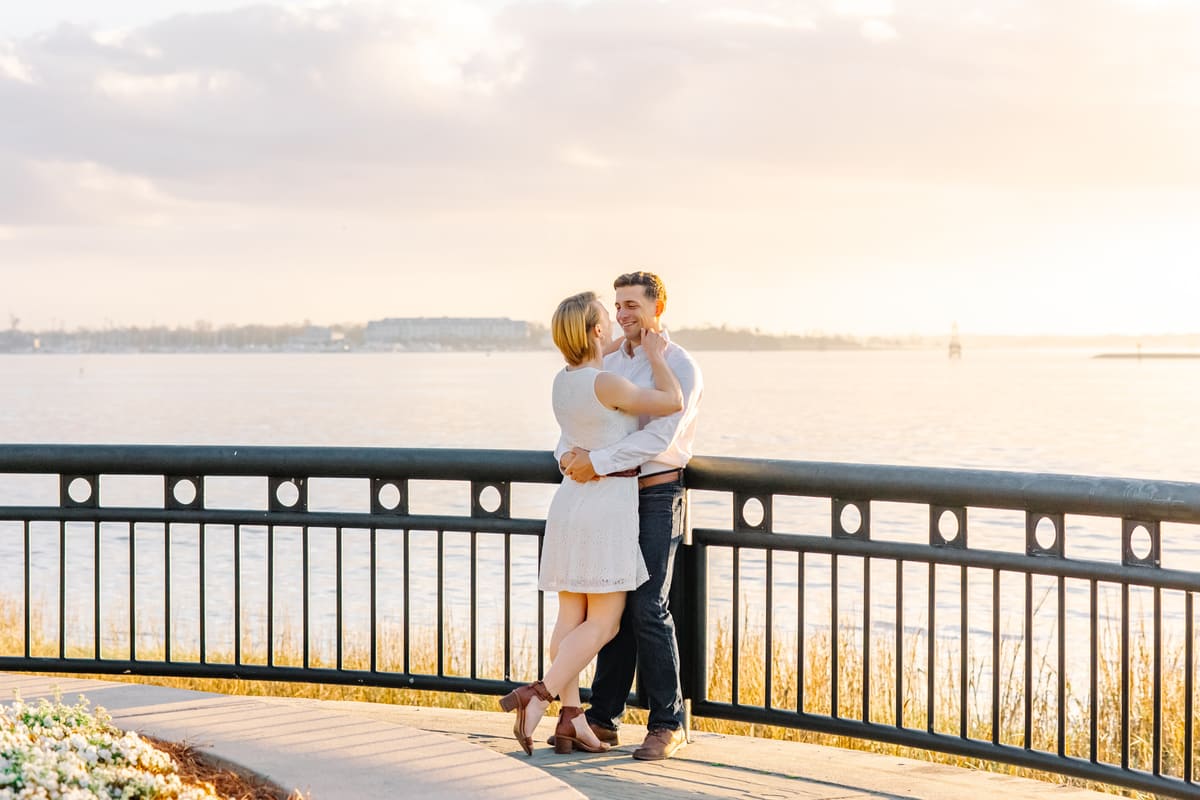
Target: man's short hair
655, 290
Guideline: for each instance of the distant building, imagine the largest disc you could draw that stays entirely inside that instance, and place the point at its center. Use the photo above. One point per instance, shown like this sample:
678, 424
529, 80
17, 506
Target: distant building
449, 331
314, 337
15, 341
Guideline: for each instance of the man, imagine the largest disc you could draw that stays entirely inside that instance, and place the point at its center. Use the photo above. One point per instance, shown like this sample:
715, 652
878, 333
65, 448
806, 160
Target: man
661, 448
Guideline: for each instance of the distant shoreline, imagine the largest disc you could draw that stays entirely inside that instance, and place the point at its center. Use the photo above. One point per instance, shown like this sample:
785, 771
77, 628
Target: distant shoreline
1140, 356
352, 338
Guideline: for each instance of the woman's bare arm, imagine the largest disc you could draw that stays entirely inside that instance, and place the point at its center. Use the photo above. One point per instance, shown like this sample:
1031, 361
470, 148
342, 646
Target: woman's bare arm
665, 398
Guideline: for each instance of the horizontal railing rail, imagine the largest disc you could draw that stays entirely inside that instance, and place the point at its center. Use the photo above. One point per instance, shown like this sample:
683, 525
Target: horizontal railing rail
1040, 620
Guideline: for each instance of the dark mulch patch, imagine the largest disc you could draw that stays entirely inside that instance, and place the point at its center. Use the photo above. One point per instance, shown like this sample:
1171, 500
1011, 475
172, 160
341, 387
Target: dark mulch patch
196, 767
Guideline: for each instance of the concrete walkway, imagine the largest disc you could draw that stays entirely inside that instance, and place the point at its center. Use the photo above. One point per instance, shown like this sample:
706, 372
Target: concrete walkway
346, 751
326, 753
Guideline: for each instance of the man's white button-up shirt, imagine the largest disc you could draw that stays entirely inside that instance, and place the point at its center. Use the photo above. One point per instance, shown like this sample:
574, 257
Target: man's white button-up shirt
660, 443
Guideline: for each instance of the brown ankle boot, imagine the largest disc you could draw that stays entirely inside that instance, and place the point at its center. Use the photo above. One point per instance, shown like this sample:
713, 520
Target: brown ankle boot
566, 738
518, 699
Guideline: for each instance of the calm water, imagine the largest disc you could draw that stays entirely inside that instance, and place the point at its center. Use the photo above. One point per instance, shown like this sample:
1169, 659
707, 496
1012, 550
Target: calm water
1045, 411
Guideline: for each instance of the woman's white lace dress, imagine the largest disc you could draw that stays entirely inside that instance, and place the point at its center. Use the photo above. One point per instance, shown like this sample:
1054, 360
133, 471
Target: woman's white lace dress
591, 543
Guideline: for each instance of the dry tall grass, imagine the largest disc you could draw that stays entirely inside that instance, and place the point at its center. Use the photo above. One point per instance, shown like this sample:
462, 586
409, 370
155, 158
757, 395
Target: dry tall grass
751, 681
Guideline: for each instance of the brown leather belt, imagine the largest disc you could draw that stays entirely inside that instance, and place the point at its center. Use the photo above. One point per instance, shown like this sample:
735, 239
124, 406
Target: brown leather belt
632, 472
659, 478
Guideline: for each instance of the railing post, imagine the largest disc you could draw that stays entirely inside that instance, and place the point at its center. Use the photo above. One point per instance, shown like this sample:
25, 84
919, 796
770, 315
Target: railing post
687, 608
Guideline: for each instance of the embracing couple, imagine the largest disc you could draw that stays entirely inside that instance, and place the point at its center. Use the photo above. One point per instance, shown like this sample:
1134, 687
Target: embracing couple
627, 408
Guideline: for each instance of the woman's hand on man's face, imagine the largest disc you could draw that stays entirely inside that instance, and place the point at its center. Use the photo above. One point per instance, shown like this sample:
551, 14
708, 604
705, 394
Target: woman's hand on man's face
654, 344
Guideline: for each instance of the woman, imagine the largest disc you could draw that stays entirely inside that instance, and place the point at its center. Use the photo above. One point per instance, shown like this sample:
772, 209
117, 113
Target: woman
590, 554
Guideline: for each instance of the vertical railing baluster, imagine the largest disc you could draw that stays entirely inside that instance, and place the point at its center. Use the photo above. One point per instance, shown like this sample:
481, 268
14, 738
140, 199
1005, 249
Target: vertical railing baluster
374, 633
62, 589
237, 594
203, 606
834, 639
899, 643
475, 601
167, 592
735, 638
441, 603
96, 590
541, 617
1062, 667
132, 592
1125, 656
306, 644
1028, 698
1156, 661
931, 654
337, 570
1189, 686
1094, 675
768, 675
866, 641
270, 595
28, 612
801, 635
508, 676
996, 722
408, 602
963, 641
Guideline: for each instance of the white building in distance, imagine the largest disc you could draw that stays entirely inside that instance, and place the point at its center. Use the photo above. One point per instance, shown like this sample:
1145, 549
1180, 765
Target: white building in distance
449, 331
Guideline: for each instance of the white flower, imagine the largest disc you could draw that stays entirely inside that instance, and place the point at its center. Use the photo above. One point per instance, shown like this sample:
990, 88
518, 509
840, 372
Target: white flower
59, 752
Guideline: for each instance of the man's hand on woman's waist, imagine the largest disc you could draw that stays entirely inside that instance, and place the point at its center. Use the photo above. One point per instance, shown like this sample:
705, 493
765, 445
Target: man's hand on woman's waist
576, 464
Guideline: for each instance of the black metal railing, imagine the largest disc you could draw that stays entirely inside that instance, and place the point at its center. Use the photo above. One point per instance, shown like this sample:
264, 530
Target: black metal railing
839, 598
1137, 755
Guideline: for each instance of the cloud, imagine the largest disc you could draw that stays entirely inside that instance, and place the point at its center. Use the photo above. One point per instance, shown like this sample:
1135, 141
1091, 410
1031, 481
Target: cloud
585, 157
81, 193
11, 67
742, 16
155, 88
864, 8
401, 109
876, 30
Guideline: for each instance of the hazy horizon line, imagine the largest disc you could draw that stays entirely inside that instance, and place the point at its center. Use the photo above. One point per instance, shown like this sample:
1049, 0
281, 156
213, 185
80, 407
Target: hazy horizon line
207, 325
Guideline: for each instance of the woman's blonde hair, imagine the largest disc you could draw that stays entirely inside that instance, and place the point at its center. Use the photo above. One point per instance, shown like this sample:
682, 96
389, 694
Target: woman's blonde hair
571, 327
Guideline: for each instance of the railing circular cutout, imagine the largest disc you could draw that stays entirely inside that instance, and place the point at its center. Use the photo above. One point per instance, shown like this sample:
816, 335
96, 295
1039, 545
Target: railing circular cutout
851, 519
490, 499
184, 491
287, 493
80, 490
947, 525
389, 496
753, 512
1046, 533
1141, 543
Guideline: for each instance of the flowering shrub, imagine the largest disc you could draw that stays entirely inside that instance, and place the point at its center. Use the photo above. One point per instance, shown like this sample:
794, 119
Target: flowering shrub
52, 751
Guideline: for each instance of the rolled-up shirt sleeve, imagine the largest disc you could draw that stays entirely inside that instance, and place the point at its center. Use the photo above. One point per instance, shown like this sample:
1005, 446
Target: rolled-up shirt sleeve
644, 445
561, 450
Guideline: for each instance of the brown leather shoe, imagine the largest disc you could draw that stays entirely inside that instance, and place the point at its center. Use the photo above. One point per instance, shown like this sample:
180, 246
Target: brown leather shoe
517, 700
606, 735
661, 743
566, 736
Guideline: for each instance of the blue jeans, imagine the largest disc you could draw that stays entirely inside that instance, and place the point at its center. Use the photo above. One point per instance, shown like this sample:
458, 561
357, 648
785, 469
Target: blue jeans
646, 638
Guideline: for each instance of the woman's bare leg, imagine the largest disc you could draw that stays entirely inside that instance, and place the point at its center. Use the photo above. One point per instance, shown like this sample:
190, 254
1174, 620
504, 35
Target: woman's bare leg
578, 647
572, 610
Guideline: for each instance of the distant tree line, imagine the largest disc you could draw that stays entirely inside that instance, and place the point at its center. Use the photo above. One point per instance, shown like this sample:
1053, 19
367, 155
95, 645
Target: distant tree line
201, 336
725, 338
204, 336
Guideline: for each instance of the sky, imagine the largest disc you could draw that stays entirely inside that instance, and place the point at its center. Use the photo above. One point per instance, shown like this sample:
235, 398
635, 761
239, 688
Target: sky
860, 167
